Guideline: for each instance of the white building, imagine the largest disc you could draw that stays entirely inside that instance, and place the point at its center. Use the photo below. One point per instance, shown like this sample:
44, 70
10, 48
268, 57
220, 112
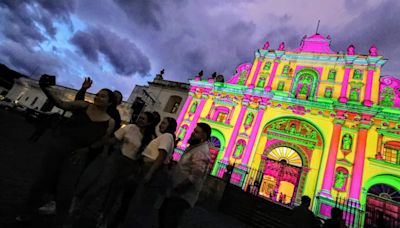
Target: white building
165, 97
26, 92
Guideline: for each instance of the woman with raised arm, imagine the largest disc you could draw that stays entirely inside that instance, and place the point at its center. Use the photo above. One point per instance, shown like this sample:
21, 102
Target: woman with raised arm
60, 167
98, 190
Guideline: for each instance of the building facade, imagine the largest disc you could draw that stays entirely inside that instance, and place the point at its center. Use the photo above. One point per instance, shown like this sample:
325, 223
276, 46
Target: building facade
308, 121
163, 96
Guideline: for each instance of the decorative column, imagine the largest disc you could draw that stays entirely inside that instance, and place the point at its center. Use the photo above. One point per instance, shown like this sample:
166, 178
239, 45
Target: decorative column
236, 129
331, 162
345, 83
254, 132
185, 108
379, 148
257, 71
272, 75
193, 123
358, 166
368, 88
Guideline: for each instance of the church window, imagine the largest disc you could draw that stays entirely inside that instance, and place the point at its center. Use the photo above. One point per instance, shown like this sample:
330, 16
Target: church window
172, 105
267, 65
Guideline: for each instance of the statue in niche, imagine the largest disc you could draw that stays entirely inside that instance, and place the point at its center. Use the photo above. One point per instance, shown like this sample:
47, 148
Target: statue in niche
193, 107
239, 149
267, 66
331, 75
354, 96
261, 82
304, 89
357, 74
388, 95
249, 119
350, 50
242, 77
346, 142
285, 70
340, 179
281, 85
182, 134
328, 93
292, 129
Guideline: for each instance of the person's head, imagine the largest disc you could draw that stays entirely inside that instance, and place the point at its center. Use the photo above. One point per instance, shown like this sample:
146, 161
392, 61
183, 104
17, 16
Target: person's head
336, 213
157, 118
104, 98
200, 134
168, 125
305, 201
118, 97
145, 119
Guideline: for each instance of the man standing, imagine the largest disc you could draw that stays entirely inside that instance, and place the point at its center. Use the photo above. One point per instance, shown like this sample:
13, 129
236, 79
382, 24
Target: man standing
302, 216
187, 178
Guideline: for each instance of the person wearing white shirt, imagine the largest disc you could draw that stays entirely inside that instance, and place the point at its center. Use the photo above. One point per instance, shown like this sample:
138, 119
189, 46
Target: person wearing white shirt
156, 157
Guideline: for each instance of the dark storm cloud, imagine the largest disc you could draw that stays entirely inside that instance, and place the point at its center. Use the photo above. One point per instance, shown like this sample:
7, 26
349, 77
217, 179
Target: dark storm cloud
27, 62
142, 12
125, 57
381, 29
25, 19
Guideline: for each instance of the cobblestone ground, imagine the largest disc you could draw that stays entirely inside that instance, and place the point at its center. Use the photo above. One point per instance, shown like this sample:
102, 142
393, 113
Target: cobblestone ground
19, 162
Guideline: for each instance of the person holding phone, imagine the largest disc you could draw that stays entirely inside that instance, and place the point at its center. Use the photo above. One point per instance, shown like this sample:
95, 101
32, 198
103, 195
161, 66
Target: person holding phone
61, 167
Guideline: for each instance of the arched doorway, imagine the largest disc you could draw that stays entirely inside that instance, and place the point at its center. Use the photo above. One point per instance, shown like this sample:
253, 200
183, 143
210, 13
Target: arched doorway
288, 144
282, 172
382, 206
215, 146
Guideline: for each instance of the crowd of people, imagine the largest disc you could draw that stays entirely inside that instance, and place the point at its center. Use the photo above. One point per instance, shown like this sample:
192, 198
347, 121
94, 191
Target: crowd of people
99, 174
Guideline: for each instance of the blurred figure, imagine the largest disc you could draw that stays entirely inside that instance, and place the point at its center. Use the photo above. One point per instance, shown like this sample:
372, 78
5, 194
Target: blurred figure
187, 178
61, 167
302, 216
100, 186
155, 176
336, 220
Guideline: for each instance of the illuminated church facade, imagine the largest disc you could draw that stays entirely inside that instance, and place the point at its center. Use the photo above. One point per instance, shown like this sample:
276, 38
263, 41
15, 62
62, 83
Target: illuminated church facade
308, 121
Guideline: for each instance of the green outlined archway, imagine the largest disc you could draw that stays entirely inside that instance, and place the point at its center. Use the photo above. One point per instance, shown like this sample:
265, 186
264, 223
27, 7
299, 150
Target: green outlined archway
314, 84
388, 179
220, 136
309, 121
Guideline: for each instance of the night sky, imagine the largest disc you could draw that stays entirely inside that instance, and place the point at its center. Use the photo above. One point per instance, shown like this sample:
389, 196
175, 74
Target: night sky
120, 43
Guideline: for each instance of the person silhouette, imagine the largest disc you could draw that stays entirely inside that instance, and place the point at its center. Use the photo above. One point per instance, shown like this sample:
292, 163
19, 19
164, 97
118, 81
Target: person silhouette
302, 216
336, 220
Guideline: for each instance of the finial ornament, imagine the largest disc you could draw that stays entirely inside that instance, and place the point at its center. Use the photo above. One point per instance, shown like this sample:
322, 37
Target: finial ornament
350, 50
373, 51
281, 46
266, 46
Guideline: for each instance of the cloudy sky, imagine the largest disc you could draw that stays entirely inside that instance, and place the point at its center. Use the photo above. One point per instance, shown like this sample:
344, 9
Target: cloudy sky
120, 43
